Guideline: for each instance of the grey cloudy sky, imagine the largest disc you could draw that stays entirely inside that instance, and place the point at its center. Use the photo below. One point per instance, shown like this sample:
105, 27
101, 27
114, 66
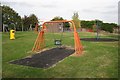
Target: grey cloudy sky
106, 10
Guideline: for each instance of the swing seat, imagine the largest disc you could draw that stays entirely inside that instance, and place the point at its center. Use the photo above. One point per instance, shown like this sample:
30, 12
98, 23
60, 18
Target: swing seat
58, 42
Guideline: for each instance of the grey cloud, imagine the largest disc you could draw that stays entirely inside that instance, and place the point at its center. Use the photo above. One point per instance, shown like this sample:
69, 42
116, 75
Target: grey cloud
110, 9
17, 3
110, 12
51, 4
48, 6
104, 11
111, 6
28, 5
90, 10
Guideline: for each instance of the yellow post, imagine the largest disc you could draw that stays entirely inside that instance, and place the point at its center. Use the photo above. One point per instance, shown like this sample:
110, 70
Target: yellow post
12, 34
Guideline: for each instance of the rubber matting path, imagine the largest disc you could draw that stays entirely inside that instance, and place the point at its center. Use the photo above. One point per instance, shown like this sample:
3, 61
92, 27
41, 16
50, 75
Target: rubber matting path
46, 58
99, 39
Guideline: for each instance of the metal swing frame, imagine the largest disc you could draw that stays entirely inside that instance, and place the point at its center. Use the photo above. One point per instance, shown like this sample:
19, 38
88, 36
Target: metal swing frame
40, 42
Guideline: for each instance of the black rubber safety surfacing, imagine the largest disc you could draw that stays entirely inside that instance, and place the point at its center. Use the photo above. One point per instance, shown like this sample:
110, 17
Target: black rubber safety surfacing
99, 39
46, 58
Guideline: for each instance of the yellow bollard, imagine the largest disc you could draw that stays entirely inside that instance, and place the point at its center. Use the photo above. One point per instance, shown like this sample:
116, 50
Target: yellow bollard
12, 34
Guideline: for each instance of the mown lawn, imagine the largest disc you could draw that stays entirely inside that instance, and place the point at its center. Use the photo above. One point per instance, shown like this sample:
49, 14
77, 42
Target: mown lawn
100, 59
0, 55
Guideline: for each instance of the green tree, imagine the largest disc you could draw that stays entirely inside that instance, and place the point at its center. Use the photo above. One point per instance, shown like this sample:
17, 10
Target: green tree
11, 18
57, 18
108, 27
87, 24
102, 26
33, 20
29, 20
26, 23
76, 20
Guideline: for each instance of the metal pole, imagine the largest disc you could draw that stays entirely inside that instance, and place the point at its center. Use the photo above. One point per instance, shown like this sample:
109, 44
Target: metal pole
97, 27
97, 31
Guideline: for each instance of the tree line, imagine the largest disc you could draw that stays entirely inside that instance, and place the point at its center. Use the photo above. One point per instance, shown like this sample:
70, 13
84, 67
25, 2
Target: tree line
103, 26
12, 20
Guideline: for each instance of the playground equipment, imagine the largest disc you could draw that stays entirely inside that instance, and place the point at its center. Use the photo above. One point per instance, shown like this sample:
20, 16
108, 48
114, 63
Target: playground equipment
40, 40
37, 26
98, 25
12, 34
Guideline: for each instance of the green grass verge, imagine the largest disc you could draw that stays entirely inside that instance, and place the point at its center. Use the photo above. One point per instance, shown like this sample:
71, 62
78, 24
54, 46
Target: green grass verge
100, 59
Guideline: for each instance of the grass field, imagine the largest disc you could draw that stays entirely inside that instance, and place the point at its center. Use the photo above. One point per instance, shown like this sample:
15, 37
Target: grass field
100, 59
0, 55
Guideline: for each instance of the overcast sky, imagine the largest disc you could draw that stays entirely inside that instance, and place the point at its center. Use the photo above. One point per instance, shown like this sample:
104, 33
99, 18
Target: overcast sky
106, 10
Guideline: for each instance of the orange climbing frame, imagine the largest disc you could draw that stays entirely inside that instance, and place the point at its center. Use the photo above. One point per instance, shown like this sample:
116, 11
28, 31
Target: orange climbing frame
40, 42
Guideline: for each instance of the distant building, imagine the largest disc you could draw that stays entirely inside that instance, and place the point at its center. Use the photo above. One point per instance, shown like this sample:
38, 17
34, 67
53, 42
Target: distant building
56, 27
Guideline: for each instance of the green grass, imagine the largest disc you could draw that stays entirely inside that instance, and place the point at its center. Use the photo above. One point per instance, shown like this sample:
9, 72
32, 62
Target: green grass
100, 59
0, 55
